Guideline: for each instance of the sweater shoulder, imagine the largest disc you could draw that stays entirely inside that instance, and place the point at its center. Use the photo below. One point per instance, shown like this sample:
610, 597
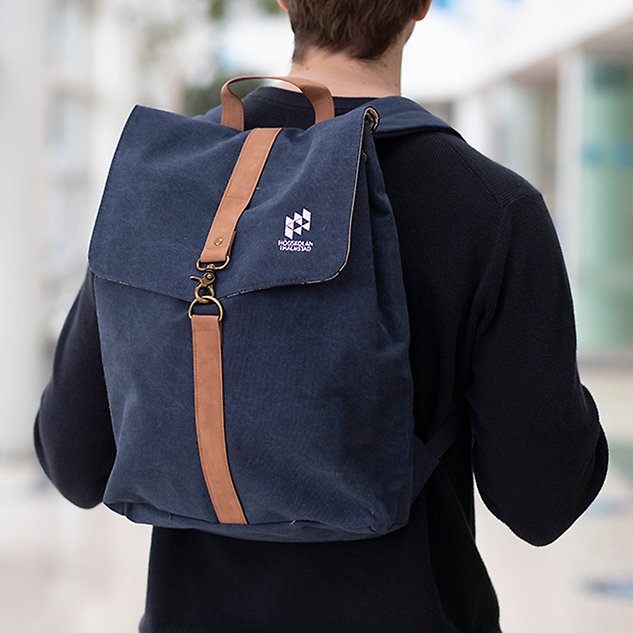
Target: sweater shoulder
465, 173
503, 183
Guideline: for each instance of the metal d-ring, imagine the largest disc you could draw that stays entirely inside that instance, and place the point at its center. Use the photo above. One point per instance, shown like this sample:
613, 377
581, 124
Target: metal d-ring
371, 114
211, 299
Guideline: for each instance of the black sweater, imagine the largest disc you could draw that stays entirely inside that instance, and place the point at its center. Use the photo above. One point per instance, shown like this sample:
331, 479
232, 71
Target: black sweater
491, 319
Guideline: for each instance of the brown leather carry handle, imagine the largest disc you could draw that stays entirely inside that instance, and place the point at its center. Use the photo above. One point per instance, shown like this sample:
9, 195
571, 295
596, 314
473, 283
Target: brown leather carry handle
318, 94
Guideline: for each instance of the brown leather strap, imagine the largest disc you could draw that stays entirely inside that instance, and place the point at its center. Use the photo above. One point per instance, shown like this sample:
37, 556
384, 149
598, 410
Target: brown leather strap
209, 407
206, 332
318, 94
238, 192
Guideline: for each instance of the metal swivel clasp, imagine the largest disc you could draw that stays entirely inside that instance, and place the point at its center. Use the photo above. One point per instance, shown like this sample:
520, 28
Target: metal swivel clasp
204, 292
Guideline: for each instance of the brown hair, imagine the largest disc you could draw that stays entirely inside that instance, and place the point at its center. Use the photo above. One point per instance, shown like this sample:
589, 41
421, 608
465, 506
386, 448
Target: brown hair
364, 29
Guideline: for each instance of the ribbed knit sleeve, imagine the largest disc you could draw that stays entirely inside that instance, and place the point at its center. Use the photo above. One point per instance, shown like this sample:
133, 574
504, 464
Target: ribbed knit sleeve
540, 454
73, 431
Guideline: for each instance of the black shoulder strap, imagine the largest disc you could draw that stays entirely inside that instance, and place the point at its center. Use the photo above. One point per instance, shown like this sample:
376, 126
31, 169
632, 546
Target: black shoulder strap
446, 433
427, 454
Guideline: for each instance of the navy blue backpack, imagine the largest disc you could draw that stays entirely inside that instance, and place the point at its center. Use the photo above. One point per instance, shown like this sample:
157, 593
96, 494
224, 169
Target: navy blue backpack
254, 327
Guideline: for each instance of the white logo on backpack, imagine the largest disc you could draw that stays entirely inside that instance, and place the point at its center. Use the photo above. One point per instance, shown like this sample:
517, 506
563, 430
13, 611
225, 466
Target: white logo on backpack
295, 225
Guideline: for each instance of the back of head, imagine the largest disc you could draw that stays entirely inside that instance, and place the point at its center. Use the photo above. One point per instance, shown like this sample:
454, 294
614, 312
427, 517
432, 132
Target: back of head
362, 29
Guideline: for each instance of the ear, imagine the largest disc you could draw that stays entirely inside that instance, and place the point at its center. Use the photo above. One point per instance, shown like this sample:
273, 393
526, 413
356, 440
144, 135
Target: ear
423, 9
282, 5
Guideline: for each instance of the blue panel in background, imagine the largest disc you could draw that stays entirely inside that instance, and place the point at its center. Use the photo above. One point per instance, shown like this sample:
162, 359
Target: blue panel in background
621, 457
451, 5
616, 588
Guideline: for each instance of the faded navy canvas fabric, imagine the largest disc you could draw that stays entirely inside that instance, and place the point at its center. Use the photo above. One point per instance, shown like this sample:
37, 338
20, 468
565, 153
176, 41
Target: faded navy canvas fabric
318, 392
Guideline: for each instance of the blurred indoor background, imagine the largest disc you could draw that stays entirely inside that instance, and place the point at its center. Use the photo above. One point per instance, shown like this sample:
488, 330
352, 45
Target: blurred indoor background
542, 86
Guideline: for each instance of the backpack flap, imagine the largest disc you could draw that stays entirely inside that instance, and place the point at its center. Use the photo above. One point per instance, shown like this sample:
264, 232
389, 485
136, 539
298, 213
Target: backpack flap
167, 178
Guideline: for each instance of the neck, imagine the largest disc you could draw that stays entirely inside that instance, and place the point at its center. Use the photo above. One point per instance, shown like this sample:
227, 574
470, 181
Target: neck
348, 77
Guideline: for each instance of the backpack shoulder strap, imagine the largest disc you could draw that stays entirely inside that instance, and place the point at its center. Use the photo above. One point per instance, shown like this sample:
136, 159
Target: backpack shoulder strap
398, 116
447, 432
214, 115
427, 454
401, 115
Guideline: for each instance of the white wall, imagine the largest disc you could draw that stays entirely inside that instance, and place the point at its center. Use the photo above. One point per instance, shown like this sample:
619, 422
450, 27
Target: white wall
481, 41
22, 106
70, 72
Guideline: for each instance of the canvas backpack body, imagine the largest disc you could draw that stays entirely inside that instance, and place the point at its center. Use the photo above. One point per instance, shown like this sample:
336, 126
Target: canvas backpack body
254, 327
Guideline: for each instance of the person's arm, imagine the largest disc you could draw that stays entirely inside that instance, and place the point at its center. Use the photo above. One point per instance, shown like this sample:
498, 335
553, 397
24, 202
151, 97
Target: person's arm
72, 433
539, 452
